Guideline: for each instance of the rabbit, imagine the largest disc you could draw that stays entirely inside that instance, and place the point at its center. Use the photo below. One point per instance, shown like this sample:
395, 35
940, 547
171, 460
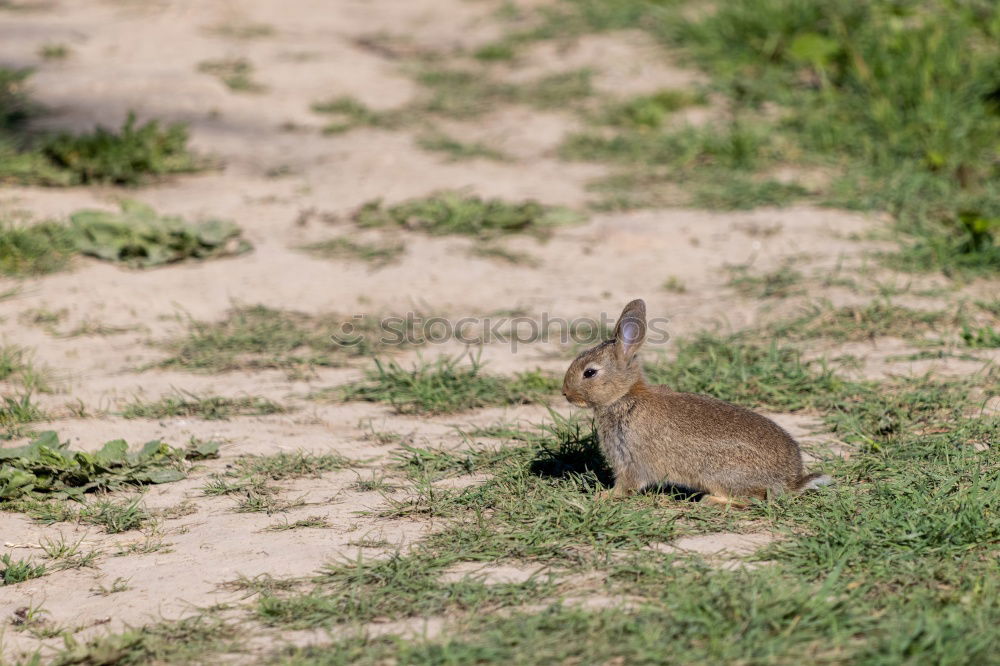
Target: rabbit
651, 434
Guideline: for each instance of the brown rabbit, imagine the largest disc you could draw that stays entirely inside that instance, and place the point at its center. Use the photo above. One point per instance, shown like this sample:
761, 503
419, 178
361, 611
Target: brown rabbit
651, 434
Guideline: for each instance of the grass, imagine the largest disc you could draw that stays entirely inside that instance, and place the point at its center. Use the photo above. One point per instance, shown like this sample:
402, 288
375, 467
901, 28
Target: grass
890, 563
54, 51
242, 30
674, 285
444, 386
16, 411
349, 113
249, 479
460, 94
377, 254
496, 251
178, 642
456, 150
115, 516
981, 337
311, 522
118, 585
711, 166
458, 213
893, 563
207, 407
495, 52
129, 156
38, 249
17, 366
865, 322
235, 73
470, 93
400, 586
896, 101
289, 465
648, 111
126, 157
18, 571
746, 371
779, 283
259, 337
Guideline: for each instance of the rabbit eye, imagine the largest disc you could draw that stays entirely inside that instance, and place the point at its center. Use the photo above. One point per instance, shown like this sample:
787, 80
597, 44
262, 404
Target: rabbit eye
589, 372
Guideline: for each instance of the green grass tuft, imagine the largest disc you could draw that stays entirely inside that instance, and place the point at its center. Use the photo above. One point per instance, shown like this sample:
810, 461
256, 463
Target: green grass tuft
445, 386
343, 247
648, 111
458, 150
235, 73
458, 213
126, 157
18, 571
350, 113
208, 407
257, 337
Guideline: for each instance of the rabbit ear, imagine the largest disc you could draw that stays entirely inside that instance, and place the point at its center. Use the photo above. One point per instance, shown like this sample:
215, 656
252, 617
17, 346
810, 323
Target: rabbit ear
630, 332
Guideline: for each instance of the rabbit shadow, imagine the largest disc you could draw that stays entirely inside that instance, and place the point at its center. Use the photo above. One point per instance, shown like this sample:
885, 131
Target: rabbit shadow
585, 457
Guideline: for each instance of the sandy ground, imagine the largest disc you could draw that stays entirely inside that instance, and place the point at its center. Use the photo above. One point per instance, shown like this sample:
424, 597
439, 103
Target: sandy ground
144, 57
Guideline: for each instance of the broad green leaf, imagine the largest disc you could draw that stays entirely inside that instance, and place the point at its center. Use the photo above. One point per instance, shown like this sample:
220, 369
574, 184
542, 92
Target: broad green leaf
113, 451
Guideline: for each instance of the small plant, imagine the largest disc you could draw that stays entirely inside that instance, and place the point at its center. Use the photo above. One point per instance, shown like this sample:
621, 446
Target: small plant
14, 571
372, 484
139, 237
288, 465
648, 111
115, 517
311, 522
491, 250
780, 283
15, 412
496, 51
47, 468
208, 407
235, 73
456, 213
462, 93
260, 337
982, 337
35, 249
350, 113
458, 150
67, 554
118, 585
376, 254
17, 365
54, 51
243, 31
125, 157
444, 386
674, 285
